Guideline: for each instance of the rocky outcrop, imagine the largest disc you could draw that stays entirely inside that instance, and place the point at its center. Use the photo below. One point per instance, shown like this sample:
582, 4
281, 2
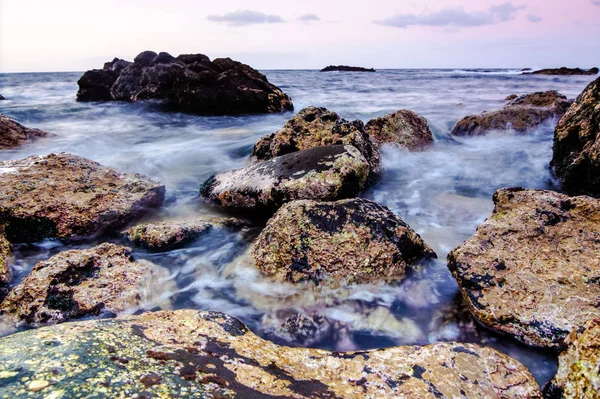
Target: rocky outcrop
346, 68
511, 97
521, 114
578, 374
532, 268
4, 267
189, 83
212, 355
73, 284
354, 240
13, 134
69, 197
403, 128
323, 173
566, 71
576, 151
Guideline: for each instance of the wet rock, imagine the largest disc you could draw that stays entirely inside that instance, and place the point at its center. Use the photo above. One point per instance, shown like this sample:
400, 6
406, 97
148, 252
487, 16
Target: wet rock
324, 173
403, 128
566, 71
2, 97
4, 267
294, 328
189, 83
77, 283
346, 68
521, 114
576, 151
356, 240
66, 196
212, 355
511, 97
532, 268
578, 374
13, 134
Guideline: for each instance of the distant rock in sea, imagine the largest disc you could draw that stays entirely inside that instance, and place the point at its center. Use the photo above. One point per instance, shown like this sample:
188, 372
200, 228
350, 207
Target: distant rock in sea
345, 68
566, 71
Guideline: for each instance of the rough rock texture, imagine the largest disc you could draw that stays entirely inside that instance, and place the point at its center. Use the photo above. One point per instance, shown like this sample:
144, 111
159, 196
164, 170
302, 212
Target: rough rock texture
211, 355
13, 134
403, 128
566, 71
578, 374
532, 268
4, 267
346, 68
324, 173
77, 283
315, 127
66, 196
511, 97
521, 114
576, 151
189, 83
356, 240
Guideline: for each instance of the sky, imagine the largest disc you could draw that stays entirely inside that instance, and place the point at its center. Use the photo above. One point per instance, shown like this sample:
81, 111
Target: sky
76, 35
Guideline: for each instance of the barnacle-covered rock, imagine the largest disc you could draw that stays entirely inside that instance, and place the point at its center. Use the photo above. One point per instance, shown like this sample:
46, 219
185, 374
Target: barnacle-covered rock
403, 128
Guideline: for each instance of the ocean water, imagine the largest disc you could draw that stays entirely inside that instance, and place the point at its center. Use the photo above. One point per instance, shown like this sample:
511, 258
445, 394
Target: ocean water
443, 193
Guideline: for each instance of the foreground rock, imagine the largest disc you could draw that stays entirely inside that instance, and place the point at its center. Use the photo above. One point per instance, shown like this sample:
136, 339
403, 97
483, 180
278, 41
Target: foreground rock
520, 115
566, 71
355, 240
73, 284
576, 151
323, 173
346, 68
532, 268
13, 134
403, 128
66, 196
578, 374
189, 83
212, 355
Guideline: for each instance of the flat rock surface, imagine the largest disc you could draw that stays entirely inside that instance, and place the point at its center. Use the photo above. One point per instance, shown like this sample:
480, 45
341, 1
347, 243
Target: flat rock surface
66, 196
211, 355
403, 128
13, 134
532, 268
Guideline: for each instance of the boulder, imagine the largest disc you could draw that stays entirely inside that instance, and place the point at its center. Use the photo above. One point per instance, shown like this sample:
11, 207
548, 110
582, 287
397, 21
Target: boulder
521, 114
566, 71
323, 173
189, 83
346, 68
354, 240
13, 134
73, 284
69, 197
403, 128
578, 374
532, 268
576, 150
193, 354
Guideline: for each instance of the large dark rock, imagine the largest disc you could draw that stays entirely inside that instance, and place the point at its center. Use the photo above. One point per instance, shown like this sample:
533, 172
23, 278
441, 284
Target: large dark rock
66, 196
346, 68
576, 151
13, 134
520, 115
566, 71
189, 83
532, 268
403, 128
204, 355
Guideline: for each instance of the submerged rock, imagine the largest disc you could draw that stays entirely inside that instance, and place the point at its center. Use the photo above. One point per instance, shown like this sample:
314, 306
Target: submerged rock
78, 283
532, 268
323, 173
212, 355
356, 240
566, 71
346, 68
403, 128
66, 196
576, 151
189, 83
521, 114
13, 134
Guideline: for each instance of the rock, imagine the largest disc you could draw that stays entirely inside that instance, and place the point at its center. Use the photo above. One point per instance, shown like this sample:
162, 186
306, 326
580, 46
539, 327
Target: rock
77, 283
345, 68
4, 267
2, 97
316, 127
566, 71
576, 151
511, 97
356, 240
532, 268
69, 197
211, 355
189, 83
520, 115
403, 128
13, 134
578, 374
323, 173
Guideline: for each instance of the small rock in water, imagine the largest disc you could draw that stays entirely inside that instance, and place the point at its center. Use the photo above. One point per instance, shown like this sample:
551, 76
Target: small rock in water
403, 128
38, 385
13, 134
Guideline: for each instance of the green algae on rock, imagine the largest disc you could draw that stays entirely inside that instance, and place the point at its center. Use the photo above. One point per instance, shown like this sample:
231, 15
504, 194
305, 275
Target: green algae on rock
532, 268
211, 355
403, 128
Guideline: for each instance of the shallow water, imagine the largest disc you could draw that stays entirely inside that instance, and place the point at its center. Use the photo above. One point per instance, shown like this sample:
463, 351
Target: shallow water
443, 193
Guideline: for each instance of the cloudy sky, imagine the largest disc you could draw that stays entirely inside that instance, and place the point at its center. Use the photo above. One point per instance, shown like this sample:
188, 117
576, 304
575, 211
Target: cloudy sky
75, 35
